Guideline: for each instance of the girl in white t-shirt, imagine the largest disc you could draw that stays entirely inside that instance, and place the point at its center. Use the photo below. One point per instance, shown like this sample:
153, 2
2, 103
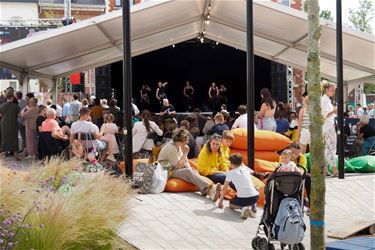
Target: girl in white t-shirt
247, 195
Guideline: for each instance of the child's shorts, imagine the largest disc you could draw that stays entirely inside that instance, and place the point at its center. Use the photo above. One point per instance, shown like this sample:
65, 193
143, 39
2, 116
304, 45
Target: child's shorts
244, 202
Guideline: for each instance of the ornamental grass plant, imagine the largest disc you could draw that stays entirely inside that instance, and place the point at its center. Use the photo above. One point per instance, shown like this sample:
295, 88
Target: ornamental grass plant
57, 206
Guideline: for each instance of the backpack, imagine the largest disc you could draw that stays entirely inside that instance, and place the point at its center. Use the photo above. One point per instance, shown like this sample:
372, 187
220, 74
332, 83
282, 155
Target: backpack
289, 227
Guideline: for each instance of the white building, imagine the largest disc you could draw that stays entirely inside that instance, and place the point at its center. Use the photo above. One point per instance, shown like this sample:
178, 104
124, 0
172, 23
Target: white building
18, 10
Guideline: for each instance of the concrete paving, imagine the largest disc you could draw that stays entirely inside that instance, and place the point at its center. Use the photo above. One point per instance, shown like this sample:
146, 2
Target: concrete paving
189, 221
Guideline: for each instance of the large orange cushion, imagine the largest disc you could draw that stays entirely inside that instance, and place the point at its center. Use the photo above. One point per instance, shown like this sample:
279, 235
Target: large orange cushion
263, 166
262, 155
178, 185
259, 185
264, 140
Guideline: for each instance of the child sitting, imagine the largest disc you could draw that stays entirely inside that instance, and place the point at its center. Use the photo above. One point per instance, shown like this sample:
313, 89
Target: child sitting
286, 163
247, 195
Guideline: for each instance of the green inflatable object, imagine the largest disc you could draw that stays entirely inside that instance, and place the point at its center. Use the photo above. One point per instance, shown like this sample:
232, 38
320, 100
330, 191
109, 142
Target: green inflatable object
349, 168
363, 164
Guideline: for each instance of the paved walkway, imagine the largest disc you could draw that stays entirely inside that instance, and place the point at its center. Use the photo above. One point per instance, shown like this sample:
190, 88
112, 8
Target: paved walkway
188, 221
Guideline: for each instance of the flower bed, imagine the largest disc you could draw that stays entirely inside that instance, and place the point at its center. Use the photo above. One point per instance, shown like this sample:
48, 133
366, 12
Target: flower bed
57, 206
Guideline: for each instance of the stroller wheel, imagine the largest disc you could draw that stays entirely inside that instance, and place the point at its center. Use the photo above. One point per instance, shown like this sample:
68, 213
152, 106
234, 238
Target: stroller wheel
263, 244
255, 243
298, 246
271, 246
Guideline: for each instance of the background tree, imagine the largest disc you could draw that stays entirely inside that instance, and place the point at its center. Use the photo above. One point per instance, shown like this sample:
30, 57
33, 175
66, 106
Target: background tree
369, 88
318, 189
326, 14
361, 18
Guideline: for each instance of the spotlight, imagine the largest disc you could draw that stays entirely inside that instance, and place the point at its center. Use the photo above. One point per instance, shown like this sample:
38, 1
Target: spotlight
217, 43
202, 39
208, 16
173, 45
204, 32
209, 7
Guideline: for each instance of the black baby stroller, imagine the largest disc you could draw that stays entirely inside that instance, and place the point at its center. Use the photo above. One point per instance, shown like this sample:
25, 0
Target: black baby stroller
282, 219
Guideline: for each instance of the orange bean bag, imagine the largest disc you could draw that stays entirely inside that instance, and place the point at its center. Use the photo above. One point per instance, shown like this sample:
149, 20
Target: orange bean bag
177, 185
264, 166
262, 155
259, 185
264, 140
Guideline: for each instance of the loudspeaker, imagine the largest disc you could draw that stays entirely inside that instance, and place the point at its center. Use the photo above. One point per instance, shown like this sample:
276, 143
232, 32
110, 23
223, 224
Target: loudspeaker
279, 88
103, 82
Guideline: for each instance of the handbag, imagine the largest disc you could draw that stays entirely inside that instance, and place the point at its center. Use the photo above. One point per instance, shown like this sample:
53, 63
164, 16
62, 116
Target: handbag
152, 135
159, 179
77, 147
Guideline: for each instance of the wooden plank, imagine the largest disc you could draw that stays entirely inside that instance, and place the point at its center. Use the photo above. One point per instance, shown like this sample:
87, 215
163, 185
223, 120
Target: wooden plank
349, 230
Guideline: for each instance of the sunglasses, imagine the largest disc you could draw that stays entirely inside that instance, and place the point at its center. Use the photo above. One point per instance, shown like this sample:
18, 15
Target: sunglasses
216, 136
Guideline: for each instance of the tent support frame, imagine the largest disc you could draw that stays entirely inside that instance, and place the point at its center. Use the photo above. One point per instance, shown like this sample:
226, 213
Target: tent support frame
250, 82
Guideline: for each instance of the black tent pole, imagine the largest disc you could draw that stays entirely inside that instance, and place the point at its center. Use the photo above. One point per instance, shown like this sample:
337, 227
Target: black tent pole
127, 86
340, 91
250, 83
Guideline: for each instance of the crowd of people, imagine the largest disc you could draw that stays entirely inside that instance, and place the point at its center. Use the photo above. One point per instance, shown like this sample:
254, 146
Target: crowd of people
23, 116
92, 127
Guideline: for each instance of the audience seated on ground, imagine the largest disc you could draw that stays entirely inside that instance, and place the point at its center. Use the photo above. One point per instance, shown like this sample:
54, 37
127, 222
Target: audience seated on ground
86, 131
212, 162
246, 193
173, 156
367, 134
219, 126
184, 124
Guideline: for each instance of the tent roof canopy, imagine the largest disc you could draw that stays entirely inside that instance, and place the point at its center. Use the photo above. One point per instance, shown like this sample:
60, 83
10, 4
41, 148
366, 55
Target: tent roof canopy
280, 34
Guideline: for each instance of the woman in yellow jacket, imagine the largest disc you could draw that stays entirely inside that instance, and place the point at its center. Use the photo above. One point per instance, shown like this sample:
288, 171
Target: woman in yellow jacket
212, 162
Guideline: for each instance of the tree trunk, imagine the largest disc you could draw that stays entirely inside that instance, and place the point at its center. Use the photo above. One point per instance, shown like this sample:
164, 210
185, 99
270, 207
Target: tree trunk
316, 124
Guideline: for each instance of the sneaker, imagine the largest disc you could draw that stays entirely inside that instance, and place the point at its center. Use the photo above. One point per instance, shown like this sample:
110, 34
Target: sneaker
245, 212
253, 211
214, 192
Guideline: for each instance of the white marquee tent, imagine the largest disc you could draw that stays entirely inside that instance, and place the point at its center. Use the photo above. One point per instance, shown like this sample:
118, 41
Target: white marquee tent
280, 34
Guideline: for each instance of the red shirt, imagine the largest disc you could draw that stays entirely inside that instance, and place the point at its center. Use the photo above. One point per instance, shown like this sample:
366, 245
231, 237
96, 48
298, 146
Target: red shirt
49, 124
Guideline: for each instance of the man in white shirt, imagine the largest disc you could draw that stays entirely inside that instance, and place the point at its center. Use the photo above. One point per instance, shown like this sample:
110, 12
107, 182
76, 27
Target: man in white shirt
241, 121
370, 112
88, 131
74, 108
360, 111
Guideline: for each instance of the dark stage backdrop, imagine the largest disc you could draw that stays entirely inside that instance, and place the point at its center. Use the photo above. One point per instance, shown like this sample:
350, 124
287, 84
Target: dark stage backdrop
200, 64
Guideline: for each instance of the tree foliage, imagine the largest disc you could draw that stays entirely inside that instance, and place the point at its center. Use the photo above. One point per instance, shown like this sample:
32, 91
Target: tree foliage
326, 14
362, 16
369, 88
